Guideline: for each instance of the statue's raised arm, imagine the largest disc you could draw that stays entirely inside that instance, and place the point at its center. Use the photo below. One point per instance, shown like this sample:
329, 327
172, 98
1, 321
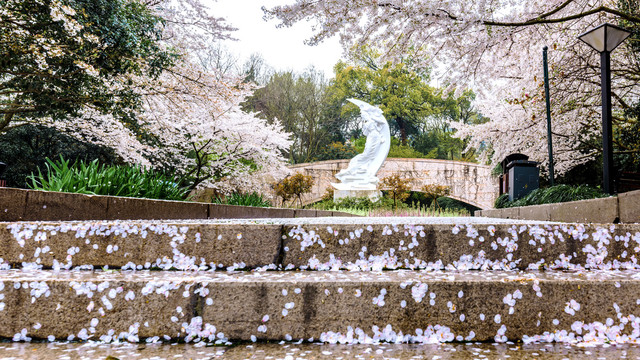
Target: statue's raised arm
362, 169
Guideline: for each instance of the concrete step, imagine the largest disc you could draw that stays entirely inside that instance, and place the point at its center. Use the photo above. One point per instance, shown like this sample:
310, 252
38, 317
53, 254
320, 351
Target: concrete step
330, 306
320, 244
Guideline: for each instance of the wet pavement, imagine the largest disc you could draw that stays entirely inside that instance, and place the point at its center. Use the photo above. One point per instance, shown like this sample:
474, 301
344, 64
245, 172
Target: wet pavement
289, 351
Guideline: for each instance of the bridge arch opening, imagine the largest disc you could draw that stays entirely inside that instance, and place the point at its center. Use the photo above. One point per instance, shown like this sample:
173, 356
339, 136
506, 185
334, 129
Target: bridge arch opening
418, 199
449, 202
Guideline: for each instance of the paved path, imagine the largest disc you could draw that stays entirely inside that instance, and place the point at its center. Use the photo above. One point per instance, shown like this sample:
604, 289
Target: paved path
261, 351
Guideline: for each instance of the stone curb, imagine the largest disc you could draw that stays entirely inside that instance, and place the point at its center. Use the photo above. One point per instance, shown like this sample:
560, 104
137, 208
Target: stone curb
33, 205
623, 208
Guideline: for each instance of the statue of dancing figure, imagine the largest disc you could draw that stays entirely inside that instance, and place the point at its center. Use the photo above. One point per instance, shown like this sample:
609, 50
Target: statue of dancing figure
362, 169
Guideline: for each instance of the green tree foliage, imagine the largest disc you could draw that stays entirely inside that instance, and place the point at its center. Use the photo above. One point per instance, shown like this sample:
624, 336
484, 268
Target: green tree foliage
436, 133
397, 150
25, 150
336, 151
60, 56
403, 94
627, 129
297, 102
421, 116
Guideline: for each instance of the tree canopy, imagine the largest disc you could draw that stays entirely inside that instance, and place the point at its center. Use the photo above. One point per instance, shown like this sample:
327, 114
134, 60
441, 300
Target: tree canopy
61, 56
496, 47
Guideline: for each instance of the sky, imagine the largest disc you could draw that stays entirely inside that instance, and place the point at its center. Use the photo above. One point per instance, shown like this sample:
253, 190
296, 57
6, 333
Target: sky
282, 49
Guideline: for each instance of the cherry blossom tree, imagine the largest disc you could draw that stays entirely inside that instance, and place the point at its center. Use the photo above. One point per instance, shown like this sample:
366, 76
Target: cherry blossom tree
181, 116
195, 128
494, 46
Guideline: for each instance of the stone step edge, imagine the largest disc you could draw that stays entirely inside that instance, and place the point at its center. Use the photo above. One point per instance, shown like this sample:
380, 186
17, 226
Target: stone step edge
189, 245
330, 307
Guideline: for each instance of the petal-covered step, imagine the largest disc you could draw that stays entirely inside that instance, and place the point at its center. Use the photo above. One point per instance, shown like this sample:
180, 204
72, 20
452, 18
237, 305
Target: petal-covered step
320, 244
330, 306
138, 244
460, 245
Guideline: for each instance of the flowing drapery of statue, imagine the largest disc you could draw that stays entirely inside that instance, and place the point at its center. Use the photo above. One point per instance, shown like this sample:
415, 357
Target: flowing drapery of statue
359, 178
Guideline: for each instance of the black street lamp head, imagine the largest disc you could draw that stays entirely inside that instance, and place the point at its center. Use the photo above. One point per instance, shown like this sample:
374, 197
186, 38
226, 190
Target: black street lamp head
605, 37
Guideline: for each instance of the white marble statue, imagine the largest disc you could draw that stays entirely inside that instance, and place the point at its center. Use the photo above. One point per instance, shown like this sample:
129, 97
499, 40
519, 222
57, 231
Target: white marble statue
362, 169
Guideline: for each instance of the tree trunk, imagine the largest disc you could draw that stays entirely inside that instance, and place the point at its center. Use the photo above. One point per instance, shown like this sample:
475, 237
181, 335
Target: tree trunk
6, 119
403, 131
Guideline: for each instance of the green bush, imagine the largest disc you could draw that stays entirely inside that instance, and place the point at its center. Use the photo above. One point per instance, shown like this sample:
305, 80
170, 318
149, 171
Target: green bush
502, 201
244, 199
96, 179
25, 149
550, 195
362, 203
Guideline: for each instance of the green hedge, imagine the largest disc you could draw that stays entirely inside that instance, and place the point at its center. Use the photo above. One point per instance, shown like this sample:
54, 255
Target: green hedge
550, 195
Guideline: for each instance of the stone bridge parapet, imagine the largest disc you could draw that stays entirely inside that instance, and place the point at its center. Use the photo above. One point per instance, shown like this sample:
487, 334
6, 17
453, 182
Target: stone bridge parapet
469, 182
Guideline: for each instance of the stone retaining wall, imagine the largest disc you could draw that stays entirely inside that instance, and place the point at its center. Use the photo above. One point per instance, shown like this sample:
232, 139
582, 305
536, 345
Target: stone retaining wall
33, 205
623, 208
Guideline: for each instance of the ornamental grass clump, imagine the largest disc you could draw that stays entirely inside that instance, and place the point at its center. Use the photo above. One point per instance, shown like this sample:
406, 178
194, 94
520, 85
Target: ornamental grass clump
96, 179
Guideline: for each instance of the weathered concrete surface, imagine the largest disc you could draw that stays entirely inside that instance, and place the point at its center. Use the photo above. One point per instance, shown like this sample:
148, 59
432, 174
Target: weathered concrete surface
623, 208
261, 351
599, 211
122, 208
469, 182
629, 207
12, 204
314, 246
480, 246
44, 205
472, 306
33, 205
144, 244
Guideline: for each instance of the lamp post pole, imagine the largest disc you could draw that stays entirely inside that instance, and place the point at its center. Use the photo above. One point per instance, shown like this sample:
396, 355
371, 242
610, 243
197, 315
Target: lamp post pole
546, 92
607, 130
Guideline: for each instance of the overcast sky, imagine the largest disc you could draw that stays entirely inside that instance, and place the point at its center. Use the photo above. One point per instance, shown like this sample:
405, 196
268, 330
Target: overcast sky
282, 49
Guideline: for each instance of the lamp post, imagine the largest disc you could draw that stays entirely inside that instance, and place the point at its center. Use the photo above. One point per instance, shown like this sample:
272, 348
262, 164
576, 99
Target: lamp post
604, 39
545, 65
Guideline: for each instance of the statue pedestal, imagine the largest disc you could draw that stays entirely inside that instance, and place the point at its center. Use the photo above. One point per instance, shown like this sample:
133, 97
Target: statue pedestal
344, 191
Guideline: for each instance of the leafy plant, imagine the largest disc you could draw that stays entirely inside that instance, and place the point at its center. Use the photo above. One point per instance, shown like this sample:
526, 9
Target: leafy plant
502, 201
434, 192
397, 188
96, 179
550, 195
244, 199
294, 186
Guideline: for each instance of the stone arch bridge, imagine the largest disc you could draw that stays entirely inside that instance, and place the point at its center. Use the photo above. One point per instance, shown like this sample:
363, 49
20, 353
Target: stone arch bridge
469, 182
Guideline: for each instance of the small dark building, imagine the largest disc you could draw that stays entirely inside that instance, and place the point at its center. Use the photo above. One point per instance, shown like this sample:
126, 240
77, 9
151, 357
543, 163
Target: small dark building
519, 176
